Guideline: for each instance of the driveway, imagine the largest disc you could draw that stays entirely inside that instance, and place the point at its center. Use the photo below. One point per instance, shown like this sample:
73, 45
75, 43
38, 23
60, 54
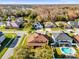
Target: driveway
10, 50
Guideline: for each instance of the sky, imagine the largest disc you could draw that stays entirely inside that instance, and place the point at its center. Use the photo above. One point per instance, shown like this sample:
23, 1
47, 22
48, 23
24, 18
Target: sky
39, 1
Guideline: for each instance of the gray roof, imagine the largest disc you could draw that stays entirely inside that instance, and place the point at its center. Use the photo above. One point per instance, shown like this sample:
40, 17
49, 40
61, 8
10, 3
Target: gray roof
74, 23
55, 35
1, 23
63, 36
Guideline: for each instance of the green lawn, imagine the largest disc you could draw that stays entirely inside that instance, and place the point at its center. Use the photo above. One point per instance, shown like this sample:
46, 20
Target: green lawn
2, 27
25, 40
23, 37
70, 34
77, 51
9, 37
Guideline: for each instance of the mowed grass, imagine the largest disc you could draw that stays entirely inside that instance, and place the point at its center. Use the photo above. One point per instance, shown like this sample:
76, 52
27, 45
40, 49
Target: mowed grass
4, 47
23, 37
70, 34
24, 43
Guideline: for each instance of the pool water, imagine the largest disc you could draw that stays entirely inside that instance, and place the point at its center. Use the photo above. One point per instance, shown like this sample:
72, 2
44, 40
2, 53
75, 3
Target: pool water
67, 50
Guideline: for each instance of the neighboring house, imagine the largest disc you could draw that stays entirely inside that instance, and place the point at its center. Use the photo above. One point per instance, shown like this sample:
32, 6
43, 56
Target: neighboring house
62, 24
14, 25
11, 24
2, 38
36, 40
62, 38
76, 38
74, 24
37, 25
49, 25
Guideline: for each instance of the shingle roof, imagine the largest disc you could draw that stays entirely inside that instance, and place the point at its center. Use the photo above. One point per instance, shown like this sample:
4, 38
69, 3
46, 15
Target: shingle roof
73, 23
63, 36
49, 24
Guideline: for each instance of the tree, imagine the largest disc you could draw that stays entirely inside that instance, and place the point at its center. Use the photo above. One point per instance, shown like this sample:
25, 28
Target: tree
61, 25
58, 18
28, 12
5, 17
22, 53
39, 18
13, 18
33, 15
44, 52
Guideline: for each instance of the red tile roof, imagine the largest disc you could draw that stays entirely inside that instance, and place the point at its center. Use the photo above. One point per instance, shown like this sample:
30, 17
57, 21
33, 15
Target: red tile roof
37, 39
76, 37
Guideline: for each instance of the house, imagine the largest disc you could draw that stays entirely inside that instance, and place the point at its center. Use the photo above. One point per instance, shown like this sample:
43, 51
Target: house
49, 25
37, 25
14, 25
2, 38
76, 38
36, 40
62, 24
74, 24
62, 38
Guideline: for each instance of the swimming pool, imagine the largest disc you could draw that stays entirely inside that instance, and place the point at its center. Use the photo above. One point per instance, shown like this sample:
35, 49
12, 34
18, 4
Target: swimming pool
68, 50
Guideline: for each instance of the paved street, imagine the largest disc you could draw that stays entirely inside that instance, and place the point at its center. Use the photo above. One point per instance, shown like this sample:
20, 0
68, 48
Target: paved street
20, 32
47, 30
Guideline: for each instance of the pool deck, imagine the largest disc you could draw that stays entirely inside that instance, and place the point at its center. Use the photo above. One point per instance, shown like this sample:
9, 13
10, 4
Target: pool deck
59, 53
